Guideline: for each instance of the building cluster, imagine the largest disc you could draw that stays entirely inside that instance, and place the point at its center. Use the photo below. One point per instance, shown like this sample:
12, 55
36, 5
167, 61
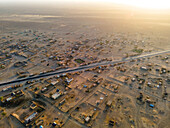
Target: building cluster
91, 90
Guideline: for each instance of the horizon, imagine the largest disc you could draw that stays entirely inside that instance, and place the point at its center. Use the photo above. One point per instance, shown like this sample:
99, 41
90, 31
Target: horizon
143, 4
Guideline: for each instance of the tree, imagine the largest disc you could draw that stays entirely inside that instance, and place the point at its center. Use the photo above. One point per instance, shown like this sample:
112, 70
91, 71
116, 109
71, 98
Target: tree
1, 98
3, 113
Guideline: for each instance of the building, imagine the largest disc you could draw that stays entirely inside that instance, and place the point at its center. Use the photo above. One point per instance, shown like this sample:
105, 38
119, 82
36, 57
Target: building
56, 95
30, 118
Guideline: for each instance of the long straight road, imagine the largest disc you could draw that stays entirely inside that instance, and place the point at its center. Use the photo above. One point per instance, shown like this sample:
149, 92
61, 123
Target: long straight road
81, 68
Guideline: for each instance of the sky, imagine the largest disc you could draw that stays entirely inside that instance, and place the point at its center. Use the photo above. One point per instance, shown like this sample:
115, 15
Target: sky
157, 4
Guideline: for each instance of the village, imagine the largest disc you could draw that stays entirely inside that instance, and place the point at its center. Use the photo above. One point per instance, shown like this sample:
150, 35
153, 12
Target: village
132, 93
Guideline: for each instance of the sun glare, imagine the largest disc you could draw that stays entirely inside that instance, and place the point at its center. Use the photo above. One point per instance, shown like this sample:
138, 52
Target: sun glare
152, 4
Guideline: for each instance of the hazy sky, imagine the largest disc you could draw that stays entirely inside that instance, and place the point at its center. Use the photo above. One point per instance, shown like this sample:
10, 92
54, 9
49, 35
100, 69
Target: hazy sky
139, 3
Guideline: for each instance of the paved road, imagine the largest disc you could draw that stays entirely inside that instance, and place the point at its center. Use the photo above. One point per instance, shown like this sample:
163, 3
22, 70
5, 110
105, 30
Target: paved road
69, 70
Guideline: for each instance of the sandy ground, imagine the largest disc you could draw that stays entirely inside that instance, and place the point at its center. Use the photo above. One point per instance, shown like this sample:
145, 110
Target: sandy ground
110, 32
152, 26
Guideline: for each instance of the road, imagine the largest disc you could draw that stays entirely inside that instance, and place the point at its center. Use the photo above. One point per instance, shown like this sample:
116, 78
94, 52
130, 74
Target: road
81, 68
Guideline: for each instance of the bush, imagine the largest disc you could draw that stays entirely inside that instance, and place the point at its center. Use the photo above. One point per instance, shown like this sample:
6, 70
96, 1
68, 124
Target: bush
80, 61
3, 113
39, 110
1, 98
138, 50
